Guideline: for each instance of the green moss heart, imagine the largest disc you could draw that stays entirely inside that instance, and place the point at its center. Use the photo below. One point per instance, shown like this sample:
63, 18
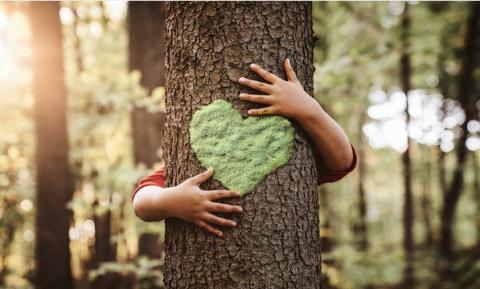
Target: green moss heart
241, 151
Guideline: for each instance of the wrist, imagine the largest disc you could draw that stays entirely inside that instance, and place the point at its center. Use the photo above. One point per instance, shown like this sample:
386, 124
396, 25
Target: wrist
311, 114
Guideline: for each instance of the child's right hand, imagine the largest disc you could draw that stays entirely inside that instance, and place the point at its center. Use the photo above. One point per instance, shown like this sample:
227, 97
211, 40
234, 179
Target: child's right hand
188, 202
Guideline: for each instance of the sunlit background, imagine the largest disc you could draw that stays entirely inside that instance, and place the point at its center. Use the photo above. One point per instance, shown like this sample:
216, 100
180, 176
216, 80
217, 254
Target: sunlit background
357, 79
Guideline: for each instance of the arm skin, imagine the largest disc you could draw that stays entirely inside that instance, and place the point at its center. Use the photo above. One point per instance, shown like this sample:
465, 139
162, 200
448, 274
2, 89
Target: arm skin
288, 98
187, 202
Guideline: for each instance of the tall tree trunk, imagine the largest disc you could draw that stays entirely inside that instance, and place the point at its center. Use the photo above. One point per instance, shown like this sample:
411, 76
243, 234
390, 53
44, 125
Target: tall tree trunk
146, 25
426, 198
476, 189
362, 230
54, 183
408, 207
466, 99
276, 243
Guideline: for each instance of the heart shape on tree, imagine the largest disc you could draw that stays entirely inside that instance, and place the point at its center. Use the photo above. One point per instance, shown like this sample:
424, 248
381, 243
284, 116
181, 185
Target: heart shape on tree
240, 151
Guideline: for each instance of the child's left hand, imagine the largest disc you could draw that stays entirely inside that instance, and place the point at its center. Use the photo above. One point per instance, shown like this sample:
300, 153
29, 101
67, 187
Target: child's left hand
283, 97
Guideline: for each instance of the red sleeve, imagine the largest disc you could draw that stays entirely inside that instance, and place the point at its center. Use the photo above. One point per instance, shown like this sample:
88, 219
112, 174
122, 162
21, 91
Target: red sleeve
329, 176
155, 179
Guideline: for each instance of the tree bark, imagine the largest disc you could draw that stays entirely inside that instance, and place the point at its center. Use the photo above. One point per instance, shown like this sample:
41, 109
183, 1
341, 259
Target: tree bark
54, 183
466, 99
276, 243
408, 209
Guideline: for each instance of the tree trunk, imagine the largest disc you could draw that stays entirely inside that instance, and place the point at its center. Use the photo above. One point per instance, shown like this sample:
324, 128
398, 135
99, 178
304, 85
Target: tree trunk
466, 99
146, 25
276, 243
408, 209
476, 189
427, 199
54, 183
361, 230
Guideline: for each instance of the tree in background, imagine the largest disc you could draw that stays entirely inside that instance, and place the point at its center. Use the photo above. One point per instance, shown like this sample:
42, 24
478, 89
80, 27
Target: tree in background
276, 244
146, 54
408, 207
54, 182
466, 98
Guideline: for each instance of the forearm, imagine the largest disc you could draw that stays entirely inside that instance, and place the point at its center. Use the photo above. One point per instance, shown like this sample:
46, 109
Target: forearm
330, 140
150, 203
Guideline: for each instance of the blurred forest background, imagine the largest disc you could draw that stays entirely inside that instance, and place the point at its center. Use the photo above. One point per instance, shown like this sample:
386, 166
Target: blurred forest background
409, 217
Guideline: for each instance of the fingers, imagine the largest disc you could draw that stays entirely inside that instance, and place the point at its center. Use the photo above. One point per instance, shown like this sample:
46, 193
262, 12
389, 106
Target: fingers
260, 86
265, 99
263, 111
211, 218
221, 194
209, 228
268, 76
291, 76
223, 208
200, 178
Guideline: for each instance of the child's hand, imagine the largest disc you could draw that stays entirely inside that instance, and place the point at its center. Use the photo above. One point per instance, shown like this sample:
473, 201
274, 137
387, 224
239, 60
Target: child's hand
189, 202
286, 98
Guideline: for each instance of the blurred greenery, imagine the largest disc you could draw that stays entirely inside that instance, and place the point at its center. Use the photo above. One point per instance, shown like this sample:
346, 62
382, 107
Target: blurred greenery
357, 80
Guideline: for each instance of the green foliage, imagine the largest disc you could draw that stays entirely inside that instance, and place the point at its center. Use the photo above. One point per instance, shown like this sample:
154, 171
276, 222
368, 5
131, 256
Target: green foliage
145, 270
241, 151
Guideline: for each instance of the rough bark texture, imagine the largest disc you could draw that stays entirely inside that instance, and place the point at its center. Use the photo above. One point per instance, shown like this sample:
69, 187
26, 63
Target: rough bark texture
408, 209
146, 24
466, 99
54, 183
276, 243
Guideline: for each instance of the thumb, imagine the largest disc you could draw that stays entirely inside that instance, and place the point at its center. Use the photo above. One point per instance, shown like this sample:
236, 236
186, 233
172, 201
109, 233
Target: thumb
200, 178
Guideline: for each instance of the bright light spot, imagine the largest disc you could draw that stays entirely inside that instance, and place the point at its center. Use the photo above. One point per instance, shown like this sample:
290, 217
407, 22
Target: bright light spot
96, 29
27, 235
415, 105
473, 143
448, 136
447, 146
377, 96
7, 61
89, 228
26, 205
95, 12
116, 10
74, 234
66, 16
3, 20
450, 122
473, 126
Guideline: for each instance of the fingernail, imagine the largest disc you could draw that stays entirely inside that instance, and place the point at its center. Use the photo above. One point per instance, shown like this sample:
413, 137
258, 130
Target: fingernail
250, 112
241, 79
233, 223
220, 234
242, 95
253, 65
240, 209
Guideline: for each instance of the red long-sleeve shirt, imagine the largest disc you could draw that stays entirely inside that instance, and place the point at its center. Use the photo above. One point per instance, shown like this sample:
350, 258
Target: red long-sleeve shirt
324, 176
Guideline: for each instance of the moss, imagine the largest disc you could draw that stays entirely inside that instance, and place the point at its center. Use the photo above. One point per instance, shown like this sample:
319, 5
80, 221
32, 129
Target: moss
241, 151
